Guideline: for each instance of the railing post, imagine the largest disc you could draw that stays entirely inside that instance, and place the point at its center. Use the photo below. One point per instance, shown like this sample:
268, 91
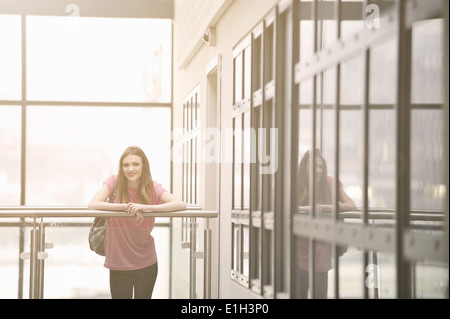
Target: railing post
37, 255
192, 259
207, 261
41, 260
33, 260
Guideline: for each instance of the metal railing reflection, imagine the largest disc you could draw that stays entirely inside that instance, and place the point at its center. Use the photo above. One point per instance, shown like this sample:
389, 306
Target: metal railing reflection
423, 238
37, 254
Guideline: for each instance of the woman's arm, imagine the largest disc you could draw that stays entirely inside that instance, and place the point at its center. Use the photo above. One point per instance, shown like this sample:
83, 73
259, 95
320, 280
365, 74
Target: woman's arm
304, 209
99, 201
169, 203
345, 203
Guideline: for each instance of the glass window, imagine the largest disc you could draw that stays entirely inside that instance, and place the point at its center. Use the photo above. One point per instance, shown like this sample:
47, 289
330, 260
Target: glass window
236, 247
306, 34
351, 126
326, 127
72, 150
248, 142
381, 275
10, 57
382, 132
351, 167
238, 71
247, 72
426, 66
427, 165
431, 280
381, 191
72, 271
351, 278
427, 117
245, 252
10, 158
98, 59
237, 181
191, 109
269, 43
257, 67
305, 117
9, 239
256, 173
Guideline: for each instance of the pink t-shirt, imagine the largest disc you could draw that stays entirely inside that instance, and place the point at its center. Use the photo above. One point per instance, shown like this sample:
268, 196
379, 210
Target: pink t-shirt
322, 250
128, 244
322, 254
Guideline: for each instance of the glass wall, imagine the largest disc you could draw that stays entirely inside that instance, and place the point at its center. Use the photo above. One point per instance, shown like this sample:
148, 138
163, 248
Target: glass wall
10, 124
98, 59
374, 116
10, 57
72, 150
365, 159
91, 88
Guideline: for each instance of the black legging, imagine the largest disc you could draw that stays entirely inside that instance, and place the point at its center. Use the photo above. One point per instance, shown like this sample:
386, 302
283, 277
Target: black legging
122, 282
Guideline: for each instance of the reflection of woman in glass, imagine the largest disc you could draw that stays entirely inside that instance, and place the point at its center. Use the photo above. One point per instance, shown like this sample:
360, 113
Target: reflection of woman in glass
322, 250
129, 245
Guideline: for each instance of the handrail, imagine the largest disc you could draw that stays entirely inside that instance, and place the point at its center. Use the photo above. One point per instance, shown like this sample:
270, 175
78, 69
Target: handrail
80, 211
37, 252
414, 215
389, 214
27, 207
38, 213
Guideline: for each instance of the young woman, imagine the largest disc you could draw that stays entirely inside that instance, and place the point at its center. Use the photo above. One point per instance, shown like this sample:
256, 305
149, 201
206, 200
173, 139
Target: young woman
129, 245
322, 250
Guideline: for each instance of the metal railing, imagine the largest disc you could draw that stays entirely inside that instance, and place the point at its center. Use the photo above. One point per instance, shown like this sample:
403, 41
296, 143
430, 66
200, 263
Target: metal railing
37, 254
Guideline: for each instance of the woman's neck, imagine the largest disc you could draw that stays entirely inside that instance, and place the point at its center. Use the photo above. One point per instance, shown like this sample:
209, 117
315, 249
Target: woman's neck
133, 184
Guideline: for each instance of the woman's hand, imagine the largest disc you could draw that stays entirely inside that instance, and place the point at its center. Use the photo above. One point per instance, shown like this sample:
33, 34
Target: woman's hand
136, 210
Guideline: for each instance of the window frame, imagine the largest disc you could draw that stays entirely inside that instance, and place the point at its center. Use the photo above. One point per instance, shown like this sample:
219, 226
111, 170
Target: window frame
267, 275
24, 103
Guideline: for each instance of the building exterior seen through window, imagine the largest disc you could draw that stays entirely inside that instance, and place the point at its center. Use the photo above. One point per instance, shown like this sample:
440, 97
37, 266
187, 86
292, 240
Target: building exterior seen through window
92, 87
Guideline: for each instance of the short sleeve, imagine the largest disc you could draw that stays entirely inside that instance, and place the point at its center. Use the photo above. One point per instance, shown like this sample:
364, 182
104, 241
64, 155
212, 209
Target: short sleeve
158, 190
110, 182
330, 182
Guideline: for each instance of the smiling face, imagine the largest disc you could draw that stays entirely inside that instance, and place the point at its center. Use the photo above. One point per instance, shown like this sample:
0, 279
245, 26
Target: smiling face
132, 169
134, 172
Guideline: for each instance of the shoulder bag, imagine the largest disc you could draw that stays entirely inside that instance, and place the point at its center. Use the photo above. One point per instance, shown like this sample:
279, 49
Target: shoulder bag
98, 230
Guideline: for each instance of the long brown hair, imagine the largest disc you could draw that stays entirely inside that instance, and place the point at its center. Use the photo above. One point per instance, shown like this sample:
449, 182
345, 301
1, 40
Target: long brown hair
324, 194
146, 182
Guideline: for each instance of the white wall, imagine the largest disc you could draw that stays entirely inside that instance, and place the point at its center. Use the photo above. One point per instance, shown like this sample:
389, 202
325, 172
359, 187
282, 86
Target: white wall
232, 20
